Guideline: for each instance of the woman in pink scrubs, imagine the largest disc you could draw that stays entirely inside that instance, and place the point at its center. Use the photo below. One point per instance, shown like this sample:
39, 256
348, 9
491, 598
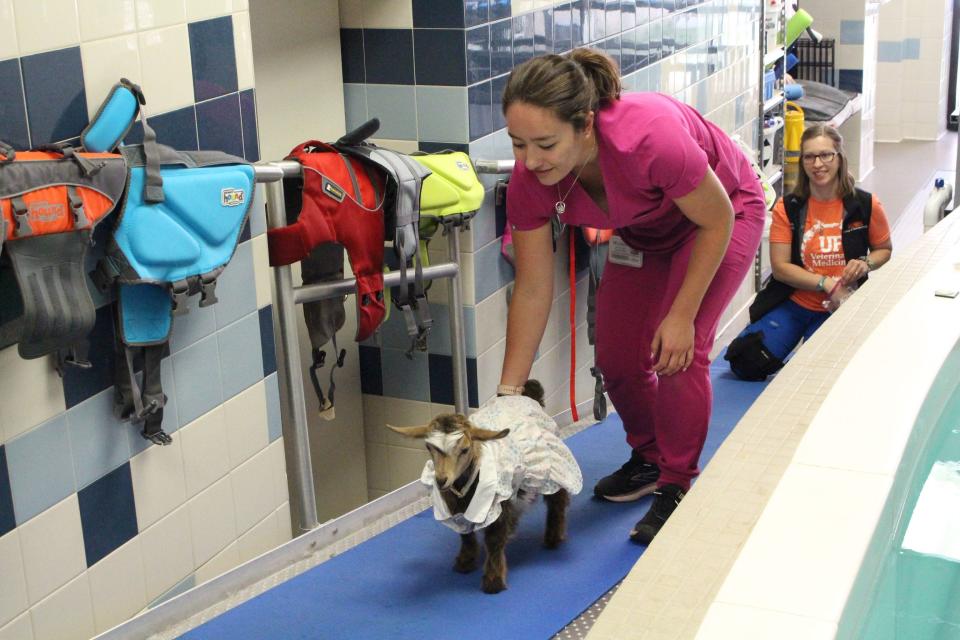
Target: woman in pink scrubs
688, 212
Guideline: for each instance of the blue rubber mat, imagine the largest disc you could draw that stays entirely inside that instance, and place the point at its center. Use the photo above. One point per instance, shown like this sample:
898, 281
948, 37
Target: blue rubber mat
400, 584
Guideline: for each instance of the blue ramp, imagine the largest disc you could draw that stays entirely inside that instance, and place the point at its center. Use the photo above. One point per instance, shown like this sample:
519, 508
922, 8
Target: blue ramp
400, 584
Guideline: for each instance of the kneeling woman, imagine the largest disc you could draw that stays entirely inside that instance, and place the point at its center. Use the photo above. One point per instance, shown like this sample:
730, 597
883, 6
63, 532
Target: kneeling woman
825, 235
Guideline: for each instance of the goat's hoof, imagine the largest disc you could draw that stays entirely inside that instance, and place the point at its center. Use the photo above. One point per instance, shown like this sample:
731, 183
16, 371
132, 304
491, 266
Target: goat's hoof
552, 542
495, 584
465, 565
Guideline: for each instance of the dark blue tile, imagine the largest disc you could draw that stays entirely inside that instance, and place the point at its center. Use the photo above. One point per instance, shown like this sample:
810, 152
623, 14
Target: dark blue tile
613, 21
351, 55
244, 232
13, 118
388, 56
213, 58
562, 28
476, 12
851, 80
478, 54
219, 126
371, 375
108, 515
268, 349
55, 95
439, 147
523, 35
441, 380
628, 14
177, 129
543, 32
499, 9
497, 86
440, 57
501, 47
7, 520
80, 384
480, 109
438, 14
248, 121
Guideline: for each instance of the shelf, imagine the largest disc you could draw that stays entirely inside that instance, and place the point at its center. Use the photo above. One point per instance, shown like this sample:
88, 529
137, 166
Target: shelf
773, 102
772, 56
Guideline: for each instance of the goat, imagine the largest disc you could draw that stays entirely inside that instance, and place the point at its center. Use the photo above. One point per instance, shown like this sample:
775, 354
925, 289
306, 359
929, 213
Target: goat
486, 469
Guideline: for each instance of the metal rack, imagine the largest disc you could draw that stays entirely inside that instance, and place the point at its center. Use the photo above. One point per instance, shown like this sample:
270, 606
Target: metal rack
293, 409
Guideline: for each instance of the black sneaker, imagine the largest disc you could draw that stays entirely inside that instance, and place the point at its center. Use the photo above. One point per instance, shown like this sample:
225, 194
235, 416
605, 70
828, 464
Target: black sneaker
665, 500
635, 479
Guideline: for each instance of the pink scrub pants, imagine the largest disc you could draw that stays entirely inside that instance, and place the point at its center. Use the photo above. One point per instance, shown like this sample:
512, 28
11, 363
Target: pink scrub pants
666, 417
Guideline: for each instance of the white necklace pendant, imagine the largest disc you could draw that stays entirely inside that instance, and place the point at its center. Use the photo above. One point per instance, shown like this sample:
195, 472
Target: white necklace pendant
560, 207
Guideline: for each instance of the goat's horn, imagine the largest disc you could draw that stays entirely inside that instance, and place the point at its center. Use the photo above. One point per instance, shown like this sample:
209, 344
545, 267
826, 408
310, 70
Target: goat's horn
420, 431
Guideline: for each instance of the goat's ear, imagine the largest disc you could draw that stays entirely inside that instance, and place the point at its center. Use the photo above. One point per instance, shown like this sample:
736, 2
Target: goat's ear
488, 434
411, 432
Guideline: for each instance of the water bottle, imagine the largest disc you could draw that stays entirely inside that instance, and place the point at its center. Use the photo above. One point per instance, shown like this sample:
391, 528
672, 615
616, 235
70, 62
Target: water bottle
936, 203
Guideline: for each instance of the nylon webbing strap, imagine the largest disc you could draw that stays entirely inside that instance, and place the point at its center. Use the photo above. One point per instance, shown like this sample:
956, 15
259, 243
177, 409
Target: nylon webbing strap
153, 187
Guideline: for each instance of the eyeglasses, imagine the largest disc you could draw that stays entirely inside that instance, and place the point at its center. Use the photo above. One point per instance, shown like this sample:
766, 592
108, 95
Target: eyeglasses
825, 157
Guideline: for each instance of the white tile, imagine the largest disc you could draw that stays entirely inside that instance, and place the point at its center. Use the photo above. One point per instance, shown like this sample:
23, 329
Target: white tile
387, 14
159, 484
284, 523
53, 552
262, 537
44, 25
104, 63
206, 9
117, 585
246, 419
105, 18
8, 31
13, 596
254, 498
166, 70
278, 465
351, 14
20, 629
400, 413
219, 564
65, 615
491, 319
205, 457
263, 277
152, 14
243, 47
784, 561
213, 523
30, 393
760, 624
169, 556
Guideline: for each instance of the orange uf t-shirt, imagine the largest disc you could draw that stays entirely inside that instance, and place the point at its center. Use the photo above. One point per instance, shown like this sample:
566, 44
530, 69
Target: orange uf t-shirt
821, 248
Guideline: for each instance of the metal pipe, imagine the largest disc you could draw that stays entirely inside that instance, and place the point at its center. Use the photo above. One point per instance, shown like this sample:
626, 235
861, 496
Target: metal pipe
323, 290
458, 347
293, 408
493, 166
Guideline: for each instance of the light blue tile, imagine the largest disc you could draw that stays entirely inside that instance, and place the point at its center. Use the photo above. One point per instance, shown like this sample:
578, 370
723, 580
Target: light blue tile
393, 332
851, 31
41, 468
889, 51
258, 212
196, 374
483, 227
274, 422
911, 48
439, 342
396, 107
442, 114
491, 271
355, 104
406, 378
171, 420
236, 292
188, 328
485, 149
100, 442
241, 359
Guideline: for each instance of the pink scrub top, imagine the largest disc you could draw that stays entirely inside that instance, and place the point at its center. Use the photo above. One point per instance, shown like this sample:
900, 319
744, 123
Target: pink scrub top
652, 150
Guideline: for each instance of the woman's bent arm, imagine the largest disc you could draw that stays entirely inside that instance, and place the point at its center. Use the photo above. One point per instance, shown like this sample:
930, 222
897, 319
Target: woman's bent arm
530, 304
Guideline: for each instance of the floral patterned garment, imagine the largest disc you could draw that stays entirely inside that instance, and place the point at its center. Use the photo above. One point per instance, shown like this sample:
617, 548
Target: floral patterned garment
532, 458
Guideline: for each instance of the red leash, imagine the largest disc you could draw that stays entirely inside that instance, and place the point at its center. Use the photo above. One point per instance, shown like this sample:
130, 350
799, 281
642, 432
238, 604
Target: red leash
573, 326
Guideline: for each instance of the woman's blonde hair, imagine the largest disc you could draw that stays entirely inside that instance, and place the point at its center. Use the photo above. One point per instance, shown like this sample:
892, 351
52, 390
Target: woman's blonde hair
845, 180
570, 86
